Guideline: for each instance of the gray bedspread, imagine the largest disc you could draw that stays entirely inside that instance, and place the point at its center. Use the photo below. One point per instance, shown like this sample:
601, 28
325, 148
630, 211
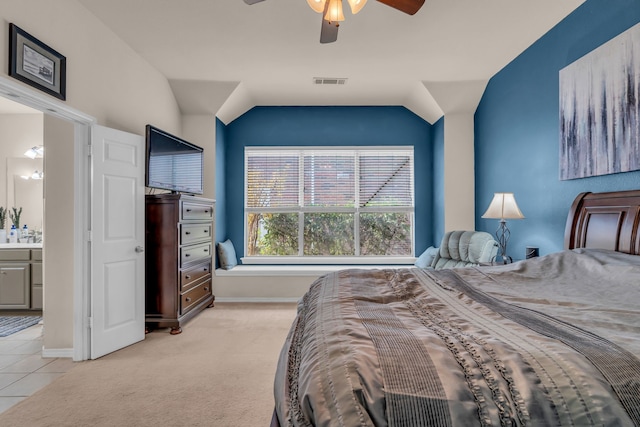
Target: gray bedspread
550, 341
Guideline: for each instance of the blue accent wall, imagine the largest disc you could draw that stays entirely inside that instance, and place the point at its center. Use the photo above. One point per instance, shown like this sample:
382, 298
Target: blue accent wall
438, 182
327, 126
221, 182
517, 129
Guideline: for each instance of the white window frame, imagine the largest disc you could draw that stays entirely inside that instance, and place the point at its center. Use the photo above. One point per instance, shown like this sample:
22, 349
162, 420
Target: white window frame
301, 209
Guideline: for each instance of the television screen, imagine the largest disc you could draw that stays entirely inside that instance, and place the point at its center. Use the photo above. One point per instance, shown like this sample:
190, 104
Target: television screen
172, 163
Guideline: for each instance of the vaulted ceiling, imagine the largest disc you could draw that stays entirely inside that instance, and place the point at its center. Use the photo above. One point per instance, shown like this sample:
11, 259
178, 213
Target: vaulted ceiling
224, 57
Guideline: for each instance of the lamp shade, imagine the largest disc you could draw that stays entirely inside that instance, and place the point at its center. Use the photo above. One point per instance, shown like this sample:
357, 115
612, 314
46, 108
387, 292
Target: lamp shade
503, 206
317, 5
334, 11
356, 5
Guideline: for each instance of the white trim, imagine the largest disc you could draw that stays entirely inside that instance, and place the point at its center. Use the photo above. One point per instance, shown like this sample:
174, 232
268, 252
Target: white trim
39, 101
81, 255
300, 151
54, 353
279, 260
345, 148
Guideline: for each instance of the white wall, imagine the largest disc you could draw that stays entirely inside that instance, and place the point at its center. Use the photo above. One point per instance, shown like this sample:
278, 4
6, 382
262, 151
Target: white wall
459, 176
267, 288
200, 129
58, 246
105, 79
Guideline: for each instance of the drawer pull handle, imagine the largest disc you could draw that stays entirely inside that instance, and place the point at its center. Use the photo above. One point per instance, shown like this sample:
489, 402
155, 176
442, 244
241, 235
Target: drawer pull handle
188, 299
205, 269
187, 255
187, 277
206, 211
188, 210
206, 231
206, 289
206, 250
187, 232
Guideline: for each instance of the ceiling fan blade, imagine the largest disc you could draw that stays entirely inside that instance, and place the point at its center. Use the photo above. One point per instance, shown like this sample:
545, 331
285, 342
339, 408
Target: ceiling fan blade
328, 32
252, 1
406, 6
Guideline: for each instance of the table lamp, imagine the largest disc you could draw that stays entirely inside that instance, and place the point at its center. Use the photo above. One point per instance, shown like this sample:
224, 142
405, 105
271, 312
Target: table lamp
503, 207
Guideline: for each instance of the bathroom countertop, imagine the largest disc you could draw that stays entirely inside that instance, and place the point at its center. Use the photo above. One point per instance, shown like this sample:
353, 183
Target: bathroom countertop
20, 245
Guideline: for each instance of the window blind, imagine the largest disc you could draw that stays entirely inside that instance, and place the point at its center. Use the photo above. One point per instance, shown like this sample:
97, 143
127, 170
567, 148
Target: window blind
329, 179
272, 179
386, 179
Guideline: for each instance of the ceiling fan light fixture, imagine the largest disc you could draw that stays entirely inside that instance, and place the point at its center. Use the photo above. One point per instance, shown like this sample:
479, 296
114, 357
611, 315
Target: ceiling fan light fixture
317, 5
356, 5
334, 11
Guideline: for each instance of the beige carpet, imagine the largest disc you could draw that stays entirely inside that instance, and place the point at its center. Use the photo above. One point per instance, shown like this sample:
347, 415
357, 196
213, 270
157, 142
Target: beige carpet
218, 372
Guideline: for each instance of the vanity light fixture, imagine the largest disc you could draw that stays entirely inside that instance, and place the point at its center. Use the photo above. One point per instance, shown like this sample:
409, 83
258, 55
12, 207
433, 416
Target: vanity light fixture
35, 175
33, 152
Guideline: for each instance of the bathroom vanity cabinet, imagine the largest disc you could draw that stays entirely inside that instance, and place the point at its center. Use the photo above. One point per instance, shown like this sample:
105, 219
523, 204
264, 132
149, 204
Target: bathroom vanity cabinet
20, 277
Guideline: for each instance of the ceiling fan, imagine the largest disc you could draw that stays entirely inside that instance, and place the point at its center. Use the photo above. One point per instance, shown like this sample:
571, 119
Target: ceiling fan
332, 12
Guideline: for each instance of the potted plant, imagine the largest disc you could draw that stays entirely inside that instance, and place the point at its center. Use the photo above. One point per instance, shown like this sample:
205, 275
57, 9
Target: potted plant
15, 219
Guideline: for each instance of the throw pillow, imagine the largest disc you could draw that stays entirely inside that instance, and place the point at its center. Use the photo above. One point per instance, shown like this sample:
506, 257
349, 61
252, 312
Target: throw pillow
427, 257
227, 255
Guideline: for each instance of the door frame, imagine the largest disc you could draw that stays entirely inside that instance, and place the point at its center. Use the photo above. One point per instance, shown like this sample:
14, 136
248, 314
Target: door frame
81, 205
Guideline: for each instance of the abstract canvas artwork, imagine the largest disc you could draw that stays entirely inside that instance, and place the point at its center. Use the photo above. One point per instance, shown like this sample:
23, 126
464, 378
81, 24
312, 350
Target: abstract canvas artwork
600, 110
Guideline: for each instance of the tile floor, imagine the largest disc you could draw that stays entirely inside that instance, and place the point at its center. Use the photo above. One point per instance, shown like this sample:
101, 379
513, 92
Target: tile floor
23, 371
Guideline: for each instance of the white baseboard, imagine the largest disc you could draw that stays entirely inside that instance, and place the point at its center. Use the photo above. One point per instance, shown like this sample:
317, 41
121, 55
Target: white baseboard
258, 299
53, 353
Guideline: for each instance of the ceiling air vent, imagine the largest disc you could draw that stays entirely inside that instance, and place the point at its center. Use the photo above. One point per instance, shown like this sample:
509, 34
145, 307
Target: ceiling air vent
329, 80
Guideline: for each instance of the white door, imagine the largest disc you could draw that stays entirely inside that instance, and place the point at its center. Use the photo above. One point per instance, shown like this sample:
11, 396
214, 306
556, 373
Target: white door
117, 240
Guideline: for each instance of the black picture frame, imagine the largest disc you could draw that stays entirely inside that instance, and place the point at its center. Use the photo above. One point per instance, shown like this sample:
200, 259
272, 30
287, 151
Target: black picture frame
36, 64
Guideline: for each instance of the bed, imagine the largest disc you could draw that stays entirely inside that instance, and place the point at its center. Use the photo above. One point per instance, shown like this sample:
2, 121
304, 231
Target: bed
549, 341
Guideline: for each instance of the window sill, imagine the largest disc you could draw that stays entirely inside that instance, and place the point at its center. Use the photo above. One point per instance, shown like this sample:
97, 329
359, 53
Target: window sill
328, 261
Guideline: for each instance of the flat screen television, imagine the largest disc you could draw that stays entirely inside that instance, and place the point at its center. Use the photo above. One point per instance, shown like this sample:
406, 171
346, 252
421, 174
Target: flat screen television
172, 163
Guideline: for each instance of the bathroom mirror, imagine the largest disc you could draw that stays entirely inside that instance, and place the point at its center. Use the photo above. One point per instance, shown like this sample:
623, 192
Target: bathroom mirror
25, 193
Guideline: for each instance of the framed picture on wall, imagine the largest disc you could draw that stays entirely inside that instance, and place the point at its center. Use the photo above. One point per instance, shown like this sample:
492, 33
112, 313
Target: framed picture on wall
36, 64
599, 110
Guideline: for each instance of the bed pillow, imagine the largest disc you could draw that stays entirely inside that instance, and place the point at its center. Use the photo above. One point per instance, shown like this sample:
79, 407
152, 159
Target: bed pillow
427, 257
227, 255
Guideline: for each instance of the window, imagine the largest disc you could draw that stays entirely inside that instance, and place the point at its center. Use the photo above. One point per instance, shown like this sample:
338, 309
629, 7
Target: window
310, 202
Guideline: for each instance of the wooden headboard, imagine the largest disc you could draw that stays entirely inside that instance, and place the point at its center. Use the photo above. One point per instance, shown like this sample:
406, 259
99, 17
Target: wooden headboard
604, 221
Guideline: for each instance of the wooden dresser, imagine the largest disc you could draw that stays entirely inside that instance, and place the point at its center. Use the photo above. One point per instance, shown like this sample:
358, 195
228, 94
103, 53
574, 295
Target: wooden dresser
179, 259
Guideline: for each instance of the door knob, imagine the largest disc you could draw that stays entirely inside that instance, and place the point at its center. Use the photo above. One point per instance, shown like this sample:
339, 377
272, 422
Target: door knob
139, 249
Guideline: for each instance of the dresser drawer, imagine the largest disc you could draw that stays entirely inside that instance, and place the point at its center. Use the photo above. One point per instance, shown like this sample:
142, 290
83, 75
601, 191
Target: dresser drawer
191, 233
192, 297
191, 277
191, 211
192, 254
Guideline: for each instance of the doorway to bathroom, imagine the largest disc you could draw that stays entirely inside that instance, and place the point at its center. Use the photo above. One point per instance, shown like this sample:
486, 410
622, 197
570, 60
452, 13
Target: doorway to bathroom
89, 300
